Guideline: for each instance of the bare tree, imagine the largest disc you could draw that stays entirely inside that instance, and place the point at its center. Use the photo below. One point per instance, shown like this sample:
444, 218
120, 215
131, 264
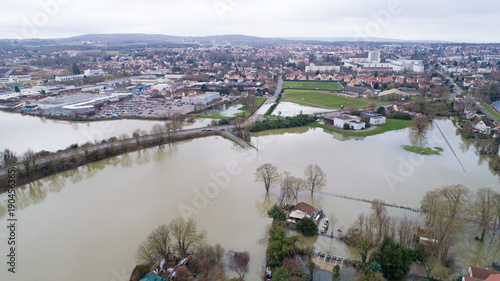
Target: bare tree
238, 121
177, 122
295, 186
145, 254
380, 211
214, 122
315, 178
29, 158
123, 138
157, 130
267, 174
186, 234
157, 243
136, 134
445, 206
483, 210
420, 124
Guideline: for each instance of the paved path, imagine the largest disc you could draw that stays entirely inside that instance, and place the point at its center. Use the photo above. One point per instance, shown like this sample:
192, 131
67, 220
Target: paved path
81, 151
269, 102
236, 139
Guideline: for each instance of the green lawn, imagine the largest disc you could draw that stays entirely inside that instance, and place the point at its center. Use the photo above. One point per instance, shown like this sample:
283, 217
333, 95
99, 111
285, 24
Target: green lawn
491, 110
313, 85
422, 150
390, 125
322, 99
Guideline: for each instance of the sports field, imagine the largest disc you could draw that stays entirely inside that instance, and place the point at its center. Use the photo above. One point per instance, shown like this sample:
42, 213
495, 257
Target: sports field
322, 99
313, 85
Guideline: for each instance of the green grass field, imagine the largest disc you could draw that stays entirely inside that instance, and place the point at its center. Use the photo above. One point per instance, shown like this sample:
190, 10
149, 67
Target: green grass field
491, 110
322, 99
313, 85
390, 125
423, 150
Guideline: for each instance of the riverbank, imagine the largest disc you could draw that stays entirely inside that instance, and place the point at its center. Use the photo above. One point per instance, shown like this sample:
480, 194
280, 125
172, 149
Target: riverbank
67, 160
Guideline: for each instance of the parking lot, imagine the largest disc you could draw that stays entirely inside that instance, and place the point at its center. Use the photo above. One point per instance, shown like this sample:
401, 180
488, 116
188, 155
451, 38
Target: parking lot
141, 107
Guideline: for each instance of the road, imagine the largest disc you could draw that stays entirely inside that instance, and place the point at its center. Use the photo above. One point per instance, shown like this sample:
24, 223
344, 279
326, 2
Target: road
81, 151
272, 99
458, 91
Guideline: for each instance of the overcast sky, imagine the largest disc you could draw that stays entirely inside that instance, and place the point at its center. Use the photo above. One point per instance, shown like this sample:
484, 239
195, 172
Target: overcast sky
450, 20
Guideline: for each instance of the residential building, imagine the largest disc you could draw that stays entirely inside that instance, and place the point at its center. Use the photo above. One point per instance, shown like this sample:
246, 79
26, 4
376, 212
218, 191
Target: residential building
481, 125
478, 274
374, 56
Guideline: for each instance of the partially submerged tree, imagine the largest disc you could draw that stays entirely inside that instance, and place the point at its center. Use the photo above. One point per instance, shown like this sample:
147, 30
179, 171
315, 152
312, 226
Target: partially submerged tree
483, 210
315, 178
186, 234
267, 174
420, 124
157, 243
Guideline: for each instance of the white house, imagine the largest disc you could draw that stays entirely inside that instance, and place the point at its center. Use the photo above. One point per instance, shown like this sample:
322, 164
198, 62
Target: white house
357, 124
377, 120
481, 126
339, 121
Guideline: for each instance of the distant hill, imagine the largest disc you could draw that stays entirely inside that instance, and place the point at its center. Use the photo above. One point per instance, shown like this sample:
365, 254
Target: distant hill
360, 39
157, 40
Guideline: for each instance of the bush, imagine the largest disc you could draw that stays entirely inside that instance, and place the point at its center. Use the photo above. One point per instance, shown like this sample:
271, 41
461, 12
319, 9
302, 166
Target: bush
401, 115
271, 109
139, 271
346, 126
279, 123
307, 227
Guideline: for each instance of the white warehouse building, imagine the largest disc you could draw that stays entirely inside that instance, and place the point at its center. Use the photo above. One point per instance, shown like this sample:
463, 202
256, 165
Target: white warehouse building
201, 98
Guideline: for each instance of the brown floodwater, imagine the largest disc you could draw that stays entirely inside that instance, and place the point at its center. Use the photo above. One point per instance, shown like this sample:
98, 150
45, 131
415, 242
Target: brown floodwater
86, 224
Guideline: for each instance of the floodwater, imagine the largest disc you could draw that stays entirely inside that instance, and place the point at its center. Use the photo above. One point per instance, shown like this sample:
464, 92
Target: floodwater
86, 224
232, 110
21, 132
293, 109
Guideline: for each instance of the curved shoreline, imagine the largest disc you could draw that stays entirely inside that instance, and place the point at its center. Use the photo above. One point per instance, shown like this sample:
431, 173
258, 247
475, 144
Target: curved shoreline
71, 159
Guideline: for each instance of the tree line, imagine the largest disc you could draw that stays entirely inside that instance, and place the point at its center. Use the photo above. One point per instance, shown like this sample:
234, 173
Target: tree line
314, 179
282, 122
387, 245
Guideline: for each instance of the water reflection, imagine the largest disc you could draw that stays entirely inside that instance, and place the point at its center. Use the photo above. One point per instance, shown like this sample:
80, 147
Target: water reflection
36, 192
464, 145
417, 139
143, 157
296, 130
265, 204
126, 161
